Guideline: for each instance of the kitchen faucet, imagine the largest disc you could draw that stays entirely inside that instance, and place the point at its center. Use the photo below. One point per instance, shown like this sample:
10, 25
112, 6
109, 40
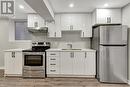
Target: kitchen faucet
70, 45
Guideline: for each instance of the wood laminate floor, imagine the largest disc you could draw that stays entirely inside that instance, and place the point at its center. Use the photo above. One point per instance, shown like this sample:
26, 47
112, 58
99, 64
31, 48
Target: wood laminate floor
53, 82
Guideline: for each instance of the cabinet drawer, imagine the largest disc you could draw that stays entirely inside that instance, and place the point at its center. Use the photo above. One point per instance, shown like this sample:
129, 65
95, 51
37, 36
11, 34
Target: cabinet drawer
52, 54
34, 73
53, 58
52, 71
52, 63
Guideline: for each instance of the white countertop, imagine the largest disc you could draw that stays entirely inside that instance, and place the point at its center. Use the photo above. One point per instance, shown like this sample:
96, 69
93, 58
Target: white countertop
70, 50
16, 50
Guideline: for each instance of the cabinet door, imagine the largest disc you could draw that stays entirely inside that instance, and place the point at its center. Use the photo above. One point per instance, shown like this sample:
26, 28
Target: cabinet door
51, 30
66, 21
78, 63
115, 16
58, 25
9, 63
86, 33
102, 15
77, 21
86, 26
54, 31
108, 16
31, 20
13, 63
66, 63
18, 63
90, 63
34, 20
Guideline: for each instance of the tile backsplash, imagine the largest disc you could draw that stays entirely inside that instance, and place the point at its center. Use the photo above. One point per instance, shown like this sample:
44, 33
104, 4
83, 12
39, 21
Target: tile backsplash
67, 38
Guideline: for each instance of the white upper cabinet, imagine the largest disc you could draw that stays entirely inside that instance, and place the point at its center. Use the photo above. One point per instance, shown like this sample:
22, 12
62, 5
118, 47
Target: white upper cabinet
86, 26
54, 28
74, 21
106, 16
34, 20
77, 22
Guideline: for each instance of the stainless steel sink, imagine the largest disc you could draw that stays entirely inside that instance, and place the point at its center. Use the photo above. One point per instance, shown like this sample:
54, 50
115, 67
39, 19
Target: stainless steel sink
71, 49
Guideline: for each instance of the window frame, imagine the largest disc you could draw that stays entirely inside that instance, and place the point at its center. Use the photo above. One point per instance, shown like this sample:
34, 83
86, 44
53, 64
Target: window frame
19, 20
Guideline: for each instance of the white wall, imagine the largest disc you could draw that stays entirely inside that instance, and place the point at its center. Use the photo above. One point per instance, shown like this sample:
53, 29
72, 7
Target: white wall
126, 21
126, 15
7, 26
4, 43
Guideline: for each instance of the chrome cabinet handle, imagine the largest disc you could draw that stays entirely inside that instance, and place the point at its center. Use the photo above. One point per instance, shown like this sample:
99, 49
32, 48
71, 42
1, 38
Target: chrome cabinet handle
52, 54
108, 19
83, 34
85, 55
55, 34
13, 54
71, 27
71, 54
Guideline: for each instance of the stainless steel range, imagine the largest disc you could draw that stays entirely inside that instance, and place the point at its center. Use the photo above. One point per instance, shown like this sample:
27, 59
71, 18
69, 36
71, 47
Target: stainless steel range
34, 60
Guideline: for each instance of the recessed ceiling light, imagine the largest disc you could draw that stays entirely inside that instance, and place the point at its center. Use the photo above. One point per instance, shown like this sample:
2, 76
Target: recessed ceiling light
71, 5
106, 5
21, 6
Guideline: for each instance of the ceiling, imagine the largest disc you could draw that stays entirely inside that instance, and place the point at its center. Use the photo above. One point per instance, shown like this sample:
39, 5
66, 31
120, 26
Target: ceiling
60, 6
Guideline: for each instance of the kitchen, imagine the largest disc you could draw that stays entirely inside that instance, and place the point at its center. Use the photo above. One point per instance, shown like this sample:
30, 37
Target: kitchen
51, 43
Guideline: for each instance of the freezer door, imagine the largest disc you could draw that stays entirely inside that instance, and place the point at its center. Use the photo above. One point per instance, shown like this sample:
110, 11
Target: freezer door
113, 35
113, 64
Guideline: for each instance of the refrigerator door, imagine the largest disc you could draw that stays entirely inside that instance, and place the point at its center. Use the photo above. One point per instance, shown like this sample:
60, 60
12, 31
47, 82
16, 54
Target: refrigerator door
111, 35
113, 64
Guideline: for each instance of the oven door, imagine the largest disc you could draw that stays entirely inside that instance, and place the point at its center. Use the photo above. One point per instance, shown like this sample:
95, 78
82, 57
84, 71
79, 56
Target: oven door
33, 60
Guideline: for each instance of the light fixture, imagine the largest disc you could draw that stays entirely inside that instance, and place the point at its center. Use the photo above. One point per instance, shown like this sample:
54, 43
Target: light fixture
106, 5
71, 5
21, 6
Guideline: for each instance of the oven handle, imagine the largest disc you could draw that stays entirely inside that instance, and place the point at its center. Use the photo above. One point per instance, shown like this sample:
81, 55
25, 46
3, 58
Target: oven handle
33, 53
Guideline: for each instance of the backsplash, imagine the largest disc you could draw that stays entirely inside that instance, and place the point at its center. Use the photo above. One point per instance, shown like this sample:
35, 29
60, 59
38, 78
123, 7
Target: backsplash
67, 38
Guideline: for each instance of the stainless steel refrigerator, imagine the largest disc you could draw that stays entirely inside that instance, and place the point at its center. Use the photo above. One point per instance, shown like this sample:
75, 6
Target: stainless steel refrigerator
111, 43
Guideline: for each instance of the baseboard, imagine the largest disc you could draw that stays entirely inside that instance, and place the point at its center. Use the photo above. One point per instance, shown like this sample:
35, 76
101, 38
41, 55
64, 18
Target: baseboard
1, 67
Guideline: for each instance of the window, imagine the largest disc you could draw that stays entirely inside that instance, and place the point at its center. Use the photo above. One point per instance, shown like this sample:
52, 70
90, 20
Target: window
21, 32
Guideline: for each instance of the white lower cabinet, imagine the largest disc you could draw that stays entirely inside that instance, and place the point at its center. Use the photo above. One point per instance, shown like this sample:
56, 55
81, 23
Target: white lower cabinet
72, 64
13, 63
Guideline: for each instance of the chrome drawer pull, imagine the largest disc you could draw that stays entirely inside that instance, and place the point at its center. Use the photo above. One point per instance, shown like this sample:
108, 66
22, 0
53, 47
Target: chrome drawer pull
52, 59
52, 54
52, 64
53, 70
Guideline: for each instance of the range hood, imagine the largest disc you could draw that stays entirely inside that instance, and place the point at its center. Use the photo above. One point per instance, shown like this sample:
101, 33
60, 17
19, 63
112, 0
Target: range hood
36, 24
38, 29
